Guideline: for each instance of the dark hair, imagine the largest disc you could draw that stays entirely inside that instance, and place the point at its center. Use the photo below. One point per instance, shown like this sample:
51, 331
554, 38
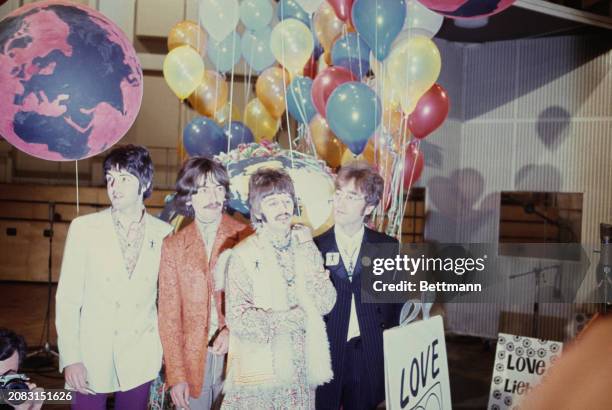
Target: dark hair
265, 182
11, 342
189, 179
136, 160
366, 180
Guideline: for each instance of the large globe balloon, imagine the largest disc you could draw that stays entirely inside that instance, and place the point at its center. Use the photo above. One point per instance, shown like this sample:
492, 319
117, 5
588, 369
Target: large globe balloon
467, 8
70, 81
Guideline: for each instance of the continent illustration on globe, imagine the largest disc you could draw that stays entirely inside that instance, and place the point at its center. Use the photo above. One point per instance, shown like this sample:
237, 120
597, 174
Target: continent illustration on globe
70, 82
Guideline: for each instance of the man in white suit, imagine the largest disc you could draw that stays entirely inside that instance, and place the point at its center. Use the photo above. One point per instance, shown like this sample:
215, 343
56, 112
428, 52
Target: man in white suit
106, 314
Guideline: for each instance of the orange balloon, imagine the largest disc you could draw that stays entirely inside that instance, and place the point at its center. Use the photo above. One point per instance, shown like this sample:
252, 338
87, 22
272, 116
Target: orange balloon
270, 89
396, 124
327, 26
211, 94
188, 33
328, 146
222, 116
261, 123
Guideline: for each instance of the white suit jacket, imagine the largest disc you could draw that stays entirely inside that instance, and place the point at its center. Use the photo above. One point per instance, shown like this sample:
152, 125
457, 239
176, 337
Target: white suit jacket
104, 319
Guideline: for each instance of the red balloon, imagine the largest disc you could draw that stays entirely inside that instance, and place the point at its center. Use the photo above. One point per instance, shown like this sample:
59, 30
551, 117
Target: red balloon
413, 165
326, 82
342, 9
430, 112
310, 68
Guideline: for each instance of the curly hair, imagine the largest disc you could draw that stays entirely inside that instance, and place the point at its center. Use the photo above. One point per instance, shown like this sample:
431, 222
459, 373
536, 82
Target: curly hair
190, 177
11, 342
136, 160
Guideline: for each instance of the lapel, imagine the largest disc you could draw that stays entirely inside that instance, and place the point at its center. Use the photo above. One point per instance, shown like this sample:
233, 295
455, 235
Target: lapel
328, 245
225, 231
148, 258
195, 249
113, 256
366, 239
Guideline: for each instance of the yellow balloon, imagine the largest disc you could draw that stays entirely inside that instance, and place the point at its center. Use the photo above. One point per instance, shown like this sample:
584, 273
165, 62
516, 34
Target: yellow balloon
222, 116
292, 44
261, 123
413, 67
211, 94
328, 146
327, 26
183, 70
270, 89
188, 33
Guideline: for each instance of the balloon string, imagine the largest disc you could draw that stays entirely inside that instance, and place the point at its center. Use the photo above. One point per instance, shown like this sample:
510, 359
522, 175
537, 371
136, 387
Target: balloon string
76, 169
229, 119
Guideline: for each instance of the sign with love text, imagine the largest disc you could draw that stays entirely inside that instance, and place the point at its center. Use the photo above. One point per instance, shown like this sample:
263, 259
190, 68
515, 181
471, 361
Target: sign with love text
520, 363
416, 369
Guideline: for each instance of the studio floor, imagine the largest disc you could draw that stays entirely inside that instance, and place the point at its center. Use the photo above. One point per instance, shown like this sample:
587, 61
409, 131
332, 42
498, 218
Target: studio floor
23, 308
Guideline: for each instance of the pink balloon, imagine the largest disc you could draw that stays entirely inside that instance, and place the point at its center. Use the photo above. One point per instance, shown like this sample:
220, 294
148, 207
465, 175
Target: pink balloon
342, 8
430, 112
413, 165
325, 83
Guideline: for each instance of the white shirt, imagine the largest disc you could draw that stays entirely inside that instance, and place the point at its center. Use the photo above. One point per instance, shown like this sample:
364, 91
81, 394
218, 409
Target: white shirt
349, 247
209, 234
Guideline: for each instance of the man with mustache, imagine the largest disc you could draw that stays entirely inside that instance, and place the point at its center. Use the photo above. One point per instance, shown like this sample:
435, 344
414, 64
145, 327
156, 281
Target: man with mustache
277, 293
191, 317
106, 316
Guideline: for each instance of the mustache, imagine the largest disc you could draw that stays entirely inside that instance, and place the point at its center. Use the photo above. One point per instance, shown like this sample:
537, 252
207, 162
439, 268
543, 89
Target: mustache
282, 216
213, 205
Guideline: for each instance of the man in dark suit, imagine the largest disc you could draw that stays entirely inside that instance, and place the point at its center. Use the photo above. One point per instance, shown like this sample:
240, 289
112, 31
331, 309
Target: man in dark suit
355, 329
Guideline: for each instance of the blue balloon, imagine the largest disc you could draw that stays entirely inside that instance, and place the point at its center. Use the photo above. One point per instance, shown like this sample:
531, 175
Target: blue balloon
240, 134
290, 9
352, 53
353, 113
255, 48
379, 22
226, 53
204, 137
299, 100
256, 14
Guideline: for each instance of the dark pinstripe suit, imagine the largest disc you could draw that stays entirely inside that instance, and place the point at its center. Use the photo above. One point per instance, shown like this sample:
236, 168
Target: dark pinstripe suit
372, 318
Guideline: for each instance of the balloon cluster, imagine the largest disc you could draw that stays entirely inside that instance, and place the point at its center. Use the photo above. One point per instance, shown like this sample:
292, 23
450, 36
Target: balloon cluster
359, 76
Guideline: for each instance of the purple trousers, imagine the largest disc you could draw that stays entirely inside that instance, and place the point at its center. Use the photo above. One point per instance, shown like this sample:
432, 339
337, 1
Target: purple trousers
134, 399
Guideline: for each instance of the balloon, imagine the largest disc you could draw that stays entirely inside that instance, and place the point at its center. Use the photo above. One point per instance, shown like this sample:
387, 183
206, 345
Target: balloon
342, 8
270, 90
290, 9
430, 112
379, 22
225, 54
309, 6
262, 124
256, 14
421, 20
183, 70
325, 83
327, 26
396, 124
219, 17
459, 9
203, 136
352, 53
310, 69
413, 165
291, 44
239, 134
255, 47
328, 147
299, 100
222, 116
211, 94
413, 67
188, 33
353, 112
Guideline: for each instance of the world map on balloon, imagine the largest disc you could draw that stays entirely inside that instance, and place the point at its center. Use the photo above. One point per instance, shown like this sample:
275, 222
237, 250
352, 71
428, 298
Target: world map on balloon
70, 82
